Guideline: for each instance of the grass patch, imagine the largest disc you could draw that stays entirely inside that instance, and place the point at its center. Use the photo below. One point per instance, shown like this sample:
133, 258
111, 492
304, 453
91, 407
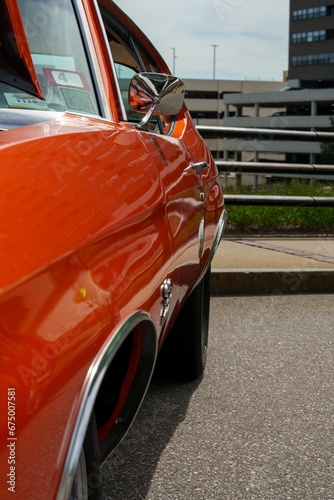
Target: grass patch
263, 219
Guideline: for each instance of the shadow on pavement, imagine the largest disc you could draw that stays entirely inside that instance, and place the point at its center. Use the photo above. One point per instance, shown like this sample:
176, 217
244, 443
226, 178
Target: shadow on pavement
128, 472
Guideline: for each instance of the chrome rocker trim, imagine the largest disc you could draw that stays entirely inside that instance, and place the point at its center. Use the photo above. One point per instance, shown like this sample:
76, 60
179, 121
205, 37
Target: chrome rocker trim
221, 226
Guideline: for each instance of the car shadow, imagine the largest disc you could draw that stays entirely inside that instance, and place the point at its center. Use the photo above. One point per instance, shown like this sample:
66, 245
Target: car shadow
128, 472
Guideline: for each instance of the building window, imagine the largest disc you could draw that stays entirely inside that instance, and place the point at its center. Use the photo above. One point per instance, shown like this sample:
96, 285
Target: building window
310, 36
298, 15
313, 59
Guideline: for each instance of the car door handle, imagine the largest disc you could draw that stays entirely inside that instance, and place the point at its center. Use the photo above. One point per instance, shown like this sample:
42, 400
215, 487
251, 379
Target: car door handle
200, 167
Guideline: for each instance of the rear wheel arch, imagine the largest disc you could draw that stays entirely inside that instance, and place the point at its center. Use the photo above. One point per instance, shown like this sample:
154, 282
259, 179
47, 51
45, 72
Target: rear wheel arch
135, 343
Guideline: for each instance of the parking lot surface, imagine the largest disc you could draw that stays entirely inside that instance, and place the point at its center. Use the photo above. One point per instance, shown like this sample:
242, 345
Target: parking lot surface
259, 425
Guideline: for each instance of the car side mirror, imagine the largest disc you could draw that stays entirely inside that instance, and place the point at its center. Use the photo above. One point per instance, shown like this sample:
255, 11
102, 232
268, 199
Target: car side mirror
154, 94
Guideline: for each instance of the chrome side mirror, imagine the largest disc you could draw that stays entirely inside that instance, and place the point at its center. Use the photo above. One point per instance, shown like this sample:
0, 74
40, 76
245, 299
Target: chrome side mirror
154, 94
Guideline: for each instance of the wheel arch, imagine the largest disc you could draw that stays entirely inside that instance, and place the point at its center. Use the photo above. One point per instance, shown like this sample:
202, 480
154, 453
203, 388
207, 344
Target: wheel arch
137, 337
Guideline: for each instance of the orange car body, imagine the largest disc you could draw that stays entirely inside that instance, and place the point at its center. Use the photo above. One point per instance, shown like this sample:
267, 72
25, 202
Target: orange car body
95, 215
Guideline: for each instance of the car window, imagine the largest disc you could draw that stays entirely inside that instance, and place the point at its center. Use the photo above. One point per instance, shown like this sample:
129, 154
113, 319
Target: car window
59, 58
130, 58
124, 75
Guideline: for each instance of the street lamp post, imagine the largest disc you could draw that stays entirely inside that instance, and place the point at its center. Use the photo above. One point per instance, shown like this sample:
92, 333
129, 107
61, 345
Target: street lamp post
174, 57
214, 60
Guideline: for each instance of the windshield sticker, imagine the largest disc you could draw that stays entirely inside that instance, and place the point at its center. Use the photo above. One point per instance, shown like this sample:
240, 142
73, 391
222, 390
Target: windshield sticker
78, 100
62, 78
25, 101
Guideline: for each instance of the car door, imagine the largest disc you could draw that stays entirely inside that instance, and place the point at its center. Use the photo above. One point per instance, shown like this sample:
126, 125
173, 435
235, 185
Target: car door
179, 172
184, 205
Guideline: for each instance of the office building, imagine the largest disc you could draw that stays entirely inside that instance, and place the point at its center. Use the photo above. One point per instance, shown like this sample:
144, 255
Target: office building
311, 44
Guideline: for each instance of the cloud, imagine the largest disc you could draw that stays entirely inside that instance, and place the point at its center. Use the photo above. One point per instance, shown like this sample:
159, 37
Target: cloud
252, 35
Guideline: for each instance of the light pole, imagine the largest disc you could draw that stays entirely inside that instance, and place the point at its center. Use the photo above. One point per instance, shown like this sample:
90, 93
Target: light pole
214, 60
174, 57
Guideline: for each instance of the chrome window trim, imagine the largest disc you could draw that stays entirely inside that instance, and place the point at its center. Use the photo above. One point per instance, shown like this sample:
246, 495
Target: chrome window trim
100, 91
112, 64
84, 404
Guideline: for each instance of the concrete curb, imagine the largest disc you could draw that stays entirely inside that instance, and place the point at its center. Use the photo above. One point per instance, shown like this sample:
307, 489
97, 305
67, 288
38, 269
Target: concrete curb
271, 281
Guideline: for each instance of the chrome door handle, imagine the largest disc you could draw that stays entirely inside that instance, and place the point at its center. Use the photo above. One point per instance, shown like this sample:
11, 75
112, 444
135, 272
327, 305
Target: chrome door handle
200, 167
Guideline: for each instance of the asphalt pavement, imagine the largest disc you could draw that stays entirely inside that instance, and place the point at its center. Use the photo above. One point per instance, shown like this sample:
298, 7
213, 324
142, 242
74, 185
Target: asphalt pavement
249, 265
257, 426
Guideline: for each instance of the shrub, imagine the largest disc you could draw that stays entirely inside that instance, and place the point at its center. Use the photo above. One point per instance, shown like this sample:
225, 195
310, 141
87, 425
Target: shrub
265, 219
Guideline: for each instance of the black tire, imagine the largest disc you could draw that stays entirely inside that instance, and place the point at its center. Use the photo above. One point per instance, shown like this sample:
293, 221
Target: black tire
185, 349
87, 480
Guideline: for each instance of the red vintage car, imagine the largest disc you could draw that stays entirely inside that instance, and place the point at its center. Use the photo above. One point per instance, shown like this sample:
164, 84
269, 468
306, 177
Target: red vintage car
111, 211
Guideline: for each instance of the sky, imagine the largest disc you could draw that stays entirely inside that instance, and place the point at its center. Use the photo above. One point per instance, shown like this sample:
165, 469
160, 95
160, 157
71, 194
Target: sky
252, 36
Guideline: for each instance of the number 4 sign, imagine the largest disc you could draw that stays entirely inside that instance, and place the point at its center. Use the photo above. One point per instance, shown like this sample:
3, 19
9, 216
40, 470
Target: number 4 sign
66, 78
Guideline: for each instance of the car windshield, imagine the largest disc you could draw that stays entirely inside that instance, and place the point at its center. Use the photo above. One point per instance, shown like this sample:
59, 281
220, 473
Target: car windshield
59, 58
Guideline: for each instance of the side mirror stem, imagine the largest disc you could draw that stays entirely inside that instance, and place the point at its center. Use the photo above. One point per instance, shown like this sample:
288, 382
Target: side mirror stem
143, 125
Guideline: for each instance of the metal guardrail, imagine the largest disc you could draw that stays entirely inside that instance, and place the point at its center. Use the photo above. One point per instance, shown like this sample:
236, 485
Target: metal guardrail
278, 201
267, 134
266, 168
